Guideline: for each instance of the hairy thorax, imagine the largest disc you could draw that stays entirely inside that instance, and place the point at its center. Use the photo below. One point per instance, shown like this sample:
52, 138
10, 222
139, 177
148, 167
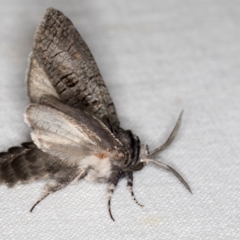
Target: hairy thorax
97, 169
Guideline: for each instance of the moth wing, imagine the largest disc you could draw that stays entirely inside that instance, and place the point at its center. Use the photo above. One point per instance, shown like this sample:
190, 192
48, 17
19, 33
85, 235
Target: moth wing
38, 82
62, 59
69, 133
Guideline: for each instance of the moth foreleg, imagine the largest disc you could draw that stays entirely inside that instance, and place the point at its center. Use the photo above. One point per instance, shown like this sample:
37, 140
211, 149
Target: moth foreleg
48, 189
130, 187
111, 189
60, 183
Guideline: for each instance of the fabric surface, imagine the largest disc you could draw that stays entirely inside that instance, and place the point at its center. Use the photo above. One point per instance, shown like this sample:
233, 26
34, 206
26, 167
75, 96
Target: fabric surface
157, 58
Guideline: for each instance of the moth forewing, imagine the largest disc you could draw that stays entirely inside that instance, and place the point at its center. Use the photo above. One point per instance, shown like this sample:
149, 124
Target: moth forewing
61, 135
98, 130
67, 61
44, 118
37, 81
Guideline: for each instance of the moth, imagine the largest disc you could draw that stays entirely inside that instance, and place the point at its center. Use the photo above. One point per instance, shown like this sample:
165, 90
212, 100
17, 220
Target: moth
76, 132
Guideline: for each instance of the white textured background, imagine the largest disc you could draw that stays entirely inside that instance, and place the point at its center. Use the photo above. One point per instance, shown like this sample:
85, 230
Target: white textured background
157, 58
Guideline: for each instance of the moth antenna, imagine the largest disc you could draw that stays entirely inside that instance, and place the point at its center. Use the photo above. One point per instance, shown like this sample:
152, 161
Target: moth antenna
130, 187
171, 170
170, 138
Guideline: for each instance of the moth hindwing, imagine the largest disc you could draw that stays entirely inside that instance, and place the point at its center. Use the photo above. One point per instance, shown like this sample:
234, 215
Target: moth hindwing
75, 129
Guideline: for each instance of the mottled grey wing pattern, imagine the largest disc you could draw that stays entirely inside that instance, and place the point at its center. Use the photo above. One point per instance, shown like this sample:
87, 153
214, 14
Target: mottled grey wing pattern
61, 54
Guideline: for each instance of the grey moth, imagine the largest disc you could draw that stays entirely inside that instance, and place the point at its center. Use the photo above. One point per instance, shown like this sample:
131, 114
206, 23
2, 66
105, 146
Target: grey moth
76, 133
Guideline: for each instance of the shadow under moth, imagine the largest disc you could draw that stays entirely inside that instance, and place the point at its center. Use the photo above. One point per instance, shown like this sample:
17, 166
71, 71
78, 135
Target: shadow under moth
76, 133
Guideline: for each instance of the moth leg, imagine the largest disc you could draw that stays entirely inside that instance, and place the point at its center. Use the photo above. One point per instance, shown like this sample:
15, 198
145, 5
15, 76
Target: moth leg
49, 188
59, 184
130, 187
111, 189
170, 138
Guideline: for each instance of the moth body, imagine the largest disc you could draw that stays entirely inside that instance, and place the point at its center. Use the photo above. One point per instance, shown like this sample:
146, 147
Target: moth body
28, 163
97, 169
76, 133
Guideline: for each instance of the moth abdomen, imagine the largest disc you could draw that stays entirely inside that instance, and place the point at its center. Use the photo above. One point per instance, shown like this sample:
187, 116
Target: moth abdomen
25, 164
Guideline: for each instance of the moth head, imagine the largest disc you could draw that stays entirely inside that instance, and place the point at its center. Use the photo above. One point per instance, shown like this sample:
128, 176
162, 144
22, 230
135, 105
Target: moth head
145, 158
144, 152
